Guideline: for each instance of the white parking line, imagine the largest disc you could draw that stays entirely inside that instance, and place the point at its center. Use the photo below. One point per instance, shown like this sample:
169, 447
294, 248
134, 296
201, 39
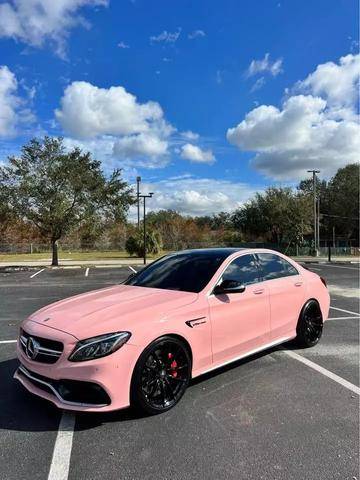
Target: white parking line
37, 273
132, 269
341, 318
87, 272
323, 370
339, 266
345, 311
60, 463
8, 341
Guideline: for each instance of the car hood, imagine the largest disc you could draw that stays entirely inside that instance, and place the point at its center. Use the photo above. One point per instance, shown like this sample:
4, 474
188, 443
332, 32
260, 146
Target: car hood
122, 307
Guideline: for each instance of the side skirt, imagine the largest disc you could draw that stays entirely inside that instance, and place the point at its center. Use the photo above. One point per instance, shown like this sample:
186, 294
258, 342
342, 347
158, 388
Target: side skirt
244, 355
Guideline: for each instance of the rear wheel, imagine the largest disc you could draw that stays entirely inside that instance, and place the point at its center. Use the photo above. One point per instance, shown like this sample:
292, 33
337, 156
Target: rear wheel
161, 375
310, 325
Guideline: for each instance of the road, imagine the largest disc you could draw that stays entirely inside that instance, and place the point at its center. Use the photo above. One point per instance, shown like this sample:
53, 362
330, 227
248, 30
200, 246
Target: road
269, 417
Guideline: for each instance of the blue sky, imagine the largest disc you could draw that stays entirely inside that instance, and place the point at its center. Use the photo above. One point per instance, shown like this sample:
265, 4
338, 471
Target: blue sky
208, 101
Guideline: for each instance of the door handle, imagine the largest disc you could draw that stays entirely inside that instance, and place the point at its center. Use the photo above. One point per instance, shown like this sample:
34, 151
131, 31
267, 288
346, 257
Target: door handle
259, 291
298, 284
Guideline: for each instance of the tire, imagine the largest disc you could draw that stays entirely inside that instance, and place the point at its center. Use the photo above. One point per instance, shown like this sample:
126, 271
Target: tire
161, 375
310, 325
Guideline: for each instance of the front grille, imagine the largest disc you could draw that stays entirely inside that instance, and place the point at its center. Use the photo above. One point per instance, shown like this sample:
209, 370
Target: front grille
74, 392
48, 351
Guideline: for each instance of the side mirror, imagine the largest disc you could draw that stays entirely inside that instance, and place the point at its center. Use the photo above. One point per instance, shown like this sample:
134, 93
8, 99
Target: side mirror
229, 286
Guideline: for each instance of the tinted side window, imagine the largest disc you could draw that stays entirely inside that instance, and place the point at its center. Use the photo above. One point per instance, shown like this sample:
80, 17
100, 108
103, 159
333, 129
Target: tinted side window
274, 266
243, 269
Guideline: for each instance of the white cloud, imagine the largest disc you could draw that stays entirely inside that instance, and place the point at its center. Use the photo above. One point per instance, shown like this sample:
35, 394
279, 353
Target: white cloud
197, 196
140, 145
315, 130
196, 154
337, 82
13, 108
189, 135
88, 111
260, 82
219, 77
123, 45
114, 126
101, 148
8, 102
354, 45
196, 34
113, 152
265, 65
166, 37
35, 22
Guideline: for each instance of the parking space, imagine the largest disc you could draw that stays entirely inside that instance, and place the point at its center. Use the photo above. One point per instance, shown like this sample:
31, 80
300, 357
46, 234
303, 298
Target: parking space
266, 417
338, 350
22, 294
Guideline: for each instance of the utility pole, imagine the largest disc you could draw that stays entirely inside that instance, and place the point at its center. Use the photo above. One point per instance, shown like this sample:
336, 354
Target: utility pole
138, 180
144, 222
318, 224
314, 172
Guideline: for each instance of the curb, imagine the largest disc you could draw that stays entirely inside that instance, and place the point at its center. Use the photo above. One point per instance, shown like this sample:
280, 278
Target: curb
335, 262
27, 268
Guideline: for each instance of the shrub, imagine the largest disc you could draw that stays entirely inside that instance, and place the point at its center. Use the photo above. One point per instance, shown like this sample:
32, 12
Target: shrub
131, 245
135, 244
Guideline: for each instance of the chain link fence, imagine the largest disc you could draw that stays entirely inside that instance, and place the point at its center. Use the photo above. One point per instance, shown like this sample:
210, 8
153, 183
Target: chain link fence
119, 246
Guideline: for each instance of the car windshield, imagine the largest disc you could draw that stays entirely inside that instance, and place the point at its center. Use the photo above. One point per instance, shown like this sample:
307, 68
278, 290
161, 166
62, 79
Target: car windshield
187, 272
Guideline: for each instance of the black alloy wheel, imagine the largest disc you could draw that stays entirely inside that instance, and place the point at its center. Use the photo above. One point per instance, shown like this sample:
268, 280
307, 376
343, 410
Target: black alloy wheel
161, 375
310, 325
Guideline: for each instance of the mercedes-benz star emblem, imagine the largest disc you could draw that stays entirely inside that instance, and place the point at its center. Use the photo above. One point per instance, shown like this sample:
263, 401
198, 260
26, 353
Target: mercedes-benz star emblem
32, 348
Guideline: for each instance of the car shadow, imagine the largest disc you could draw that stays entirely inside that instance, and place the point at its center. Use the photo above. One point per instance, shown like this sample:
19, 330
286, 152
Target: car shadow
23, 411
19, 410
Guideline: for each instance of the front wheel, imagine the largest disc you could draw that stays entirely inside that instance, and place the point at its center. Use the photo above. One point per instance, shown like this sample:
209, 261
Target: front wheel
310, 325
161, 375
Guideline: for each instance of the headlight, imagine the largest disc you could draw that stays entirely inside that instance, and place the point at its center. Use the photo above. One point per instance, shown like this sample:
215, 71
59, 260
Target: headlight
100, 346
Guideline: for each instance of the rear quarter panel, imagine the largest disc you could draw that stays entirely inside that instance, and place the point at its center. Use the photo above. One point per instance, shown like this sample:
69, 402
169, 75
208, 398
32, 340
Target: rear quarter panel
316, 289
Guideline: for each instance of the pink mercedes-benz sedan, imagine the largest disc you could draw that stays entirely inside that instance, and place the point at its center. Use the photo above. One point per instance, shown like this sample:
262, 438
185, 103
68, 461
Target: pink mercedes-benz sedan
183, 315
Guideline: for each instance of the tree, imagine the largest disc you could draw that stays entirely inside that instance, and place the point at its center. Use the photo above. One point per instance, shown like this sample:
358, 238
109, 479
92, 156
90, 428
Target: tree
57, 190
339, 201
5, 211
217, 221
343, 201
90, 231
278, 215
306, 186
171, 226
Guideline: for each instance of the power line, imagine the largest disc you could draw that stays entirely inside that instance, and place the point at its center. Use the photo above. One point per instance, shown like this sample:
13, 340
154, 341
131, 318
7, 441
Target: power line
339, 216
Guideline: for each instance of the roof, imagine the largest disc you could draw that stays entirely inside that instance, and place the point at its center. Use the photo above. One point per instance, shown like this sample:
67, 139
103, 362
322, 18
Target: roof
225, 252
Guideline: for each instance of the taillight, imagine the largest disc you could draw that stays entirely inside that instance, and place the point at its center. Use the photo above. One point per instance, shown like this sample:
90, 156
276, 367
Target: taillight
323, 281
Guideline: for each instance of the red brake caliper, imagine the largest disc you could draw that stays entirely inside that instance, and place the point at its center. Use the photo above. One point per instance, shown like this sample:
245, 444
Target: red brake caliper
173, 366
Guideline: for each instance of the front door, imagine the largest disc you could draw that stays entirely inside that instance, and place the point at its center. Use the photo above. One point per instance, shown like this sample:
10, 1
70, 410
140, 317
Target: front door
240, 321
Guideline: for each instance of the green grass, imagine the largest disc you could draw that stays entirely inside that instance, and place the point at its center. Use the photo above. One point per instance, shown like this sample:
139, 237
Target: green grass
98, 255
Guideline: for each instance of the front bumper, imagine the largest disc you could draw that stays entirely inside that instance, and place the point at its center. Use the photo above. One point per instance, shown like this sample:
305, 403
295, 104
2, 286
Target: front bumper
72, 393
92, 386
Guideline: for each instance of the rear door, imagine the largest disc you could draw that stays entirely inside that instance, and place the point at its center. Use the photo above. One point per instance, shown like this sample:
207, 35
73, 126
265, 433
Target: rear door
240, 321
287, 292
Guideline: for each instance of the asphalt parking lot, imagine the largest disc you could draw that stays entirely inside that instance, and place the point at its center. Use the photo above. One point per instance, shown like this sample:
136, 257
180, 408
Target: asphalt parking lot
270, 416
